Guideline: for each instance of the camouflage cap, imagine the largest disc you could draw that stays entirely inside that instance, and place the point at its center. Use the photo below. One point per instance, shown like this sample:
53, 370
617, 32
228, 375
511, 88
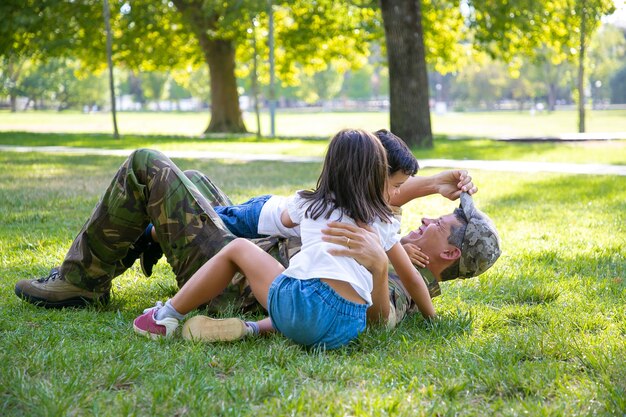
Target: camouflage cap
481, 243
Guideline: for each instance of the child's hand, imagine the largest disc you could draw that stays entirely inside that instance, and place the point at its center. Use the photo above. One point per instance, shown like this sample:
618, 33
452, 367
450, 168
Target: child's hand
451, 183
416, 255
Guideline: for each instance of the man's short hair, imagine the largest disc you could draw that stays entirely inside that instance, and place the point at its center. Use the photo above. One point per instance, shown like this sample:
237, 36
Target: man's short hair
477, 238
457, 234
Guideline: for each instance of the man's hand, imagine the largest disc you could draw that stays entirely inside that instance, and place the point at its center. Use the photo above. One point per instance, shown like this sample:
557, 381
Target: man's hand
452, 183
360, 243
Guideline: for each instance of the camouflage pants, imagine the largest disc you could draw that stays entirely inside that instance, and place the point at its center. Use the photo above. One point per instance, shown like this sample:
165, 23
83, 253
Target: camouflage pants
148, 188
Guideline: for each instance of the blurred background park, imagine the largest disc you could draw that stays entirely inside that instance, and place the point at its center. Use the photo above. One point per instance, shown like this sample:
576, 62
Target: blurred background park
308, 68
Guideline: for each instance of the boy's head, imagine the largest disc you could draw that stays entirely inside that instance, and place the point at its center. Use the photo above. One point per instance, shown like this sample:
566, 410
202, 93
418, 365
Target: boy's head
399, 156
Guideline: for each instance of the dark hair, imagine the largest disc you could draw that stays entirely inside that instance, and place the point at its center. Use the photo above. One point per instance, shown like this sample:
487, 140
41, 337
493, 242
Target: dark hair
399, 156
457, 234
352, 179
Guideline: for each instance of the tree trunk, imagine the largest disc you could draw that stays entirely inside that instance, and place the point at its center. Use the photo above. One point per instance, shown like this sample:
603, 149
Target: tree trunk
13, 77
581, 70
219, 54
552, 90
225, 111
255, 87
408, 76
109, 46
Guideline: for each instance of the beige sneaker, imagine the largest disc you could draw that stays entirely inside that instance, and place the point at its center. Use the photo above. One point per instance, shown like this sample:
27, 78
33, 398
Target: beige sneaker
55, 292
206, 329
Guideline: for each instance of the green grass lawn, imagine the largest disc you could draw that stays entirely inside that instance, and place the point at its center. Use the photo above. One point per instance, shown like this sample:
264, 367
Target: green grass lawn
543, 333
606, 152
319, 124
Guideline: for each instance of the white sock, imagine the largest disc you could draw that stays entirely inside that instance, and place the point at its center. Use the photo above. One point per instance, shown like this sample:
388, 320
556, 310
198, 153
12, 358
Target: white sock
252, 327
168, 310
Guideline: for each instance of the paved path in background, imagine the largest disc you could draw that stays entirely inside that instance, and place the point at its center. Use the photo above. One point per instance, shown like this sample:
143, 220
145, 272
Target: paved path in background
503, 166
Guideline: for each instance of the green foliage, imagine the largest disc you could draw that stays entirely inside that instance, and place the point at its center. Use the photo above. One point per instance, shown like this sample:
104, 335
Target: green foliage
607, 53
57, 80
506, 32
618, 86
366, 83
480, 84
310, 37
541, 333
445, 35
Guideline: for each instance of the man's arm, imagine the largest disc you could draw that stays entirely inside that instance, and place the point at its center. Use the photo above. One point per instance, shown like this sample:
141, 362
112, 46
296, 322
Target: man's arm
449, 184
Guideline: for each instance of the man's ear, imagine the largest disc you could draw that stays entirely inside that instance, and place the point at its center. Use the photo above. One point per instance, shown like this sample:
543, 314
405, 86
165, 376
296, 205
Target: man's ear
451, 254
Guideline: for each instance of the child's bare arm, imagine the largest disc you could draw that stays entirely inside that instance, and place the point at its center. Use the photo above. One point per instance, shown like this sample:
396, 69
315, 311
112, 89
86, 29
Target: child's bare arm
448, 183
411, 279
286, 220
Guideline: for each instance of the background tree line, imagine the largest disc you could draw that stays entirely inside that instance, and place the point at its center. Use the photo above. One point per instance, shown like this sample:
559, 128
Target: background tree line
321, 43
482, 84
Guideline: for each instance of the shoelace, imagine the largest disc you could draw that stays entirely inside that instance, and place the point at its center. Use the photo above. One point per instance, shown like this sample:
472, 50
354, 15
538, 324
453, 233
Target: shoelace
54, 274
157, 305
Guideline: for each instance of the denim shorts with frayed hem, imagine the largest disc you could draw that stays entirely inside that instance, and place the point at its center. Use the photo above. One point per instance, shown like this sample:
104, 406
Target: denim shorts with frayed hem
312, 314
243, 220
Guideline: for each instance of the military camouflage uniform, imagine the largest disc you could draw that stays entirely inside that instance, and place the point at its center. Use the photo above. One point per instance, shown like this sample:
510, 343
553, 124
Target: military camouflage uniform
150, 188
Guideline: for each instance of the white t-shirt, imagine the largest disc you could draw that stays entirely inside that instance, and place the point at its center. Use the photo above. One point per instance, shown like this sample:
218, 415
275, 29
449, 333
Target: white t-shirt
269, 219
314, 261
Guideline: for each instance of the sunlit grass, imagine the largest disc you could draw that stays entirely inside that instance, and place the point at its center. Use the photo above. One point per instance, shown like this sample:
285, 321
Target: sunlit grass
542, 333
607, 152
319, 124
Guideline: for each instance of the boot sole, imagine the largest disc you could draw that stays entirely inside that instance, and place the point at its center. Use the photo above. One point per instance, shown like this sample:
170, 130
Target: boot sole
69, 302
206, 329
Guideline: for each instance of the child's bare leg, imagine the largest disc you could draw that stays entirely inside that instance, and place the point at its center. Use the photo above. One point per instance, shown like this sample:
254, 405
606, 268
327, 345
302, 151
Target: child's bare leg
262, 326
210, 280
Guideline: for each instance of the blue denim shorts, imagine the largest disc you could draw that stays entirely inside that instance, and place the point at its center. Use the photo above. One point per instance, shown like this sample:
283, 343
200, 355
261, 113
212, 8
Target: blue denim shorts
243, 220
311, 313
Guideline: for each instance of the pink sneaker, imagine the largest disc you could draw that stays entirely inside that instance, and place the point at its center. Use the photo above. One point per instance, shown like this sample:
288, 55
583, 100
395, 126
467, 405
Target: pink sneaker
147, 324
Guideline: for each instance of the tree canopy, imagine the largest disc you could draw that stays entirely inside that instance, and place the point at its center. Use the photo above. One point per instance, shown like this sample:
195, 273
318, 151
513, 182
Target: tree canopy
311, 36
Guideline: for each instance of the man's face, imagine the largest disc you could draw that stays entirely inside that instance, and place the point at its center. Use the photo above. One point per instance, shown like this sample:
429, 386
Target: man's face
432, 236
393, 184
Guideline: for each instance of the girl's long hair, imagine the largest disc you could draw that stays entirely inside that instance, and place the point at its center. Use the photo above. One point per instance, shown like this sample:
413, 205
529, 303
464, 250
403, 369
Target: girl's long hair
352, 179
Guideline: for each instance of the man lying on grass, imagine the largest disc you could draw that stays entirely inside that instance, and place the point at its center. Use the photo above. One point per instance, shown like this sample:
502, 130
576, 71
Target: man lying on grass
439, 238
442, 239
150, 188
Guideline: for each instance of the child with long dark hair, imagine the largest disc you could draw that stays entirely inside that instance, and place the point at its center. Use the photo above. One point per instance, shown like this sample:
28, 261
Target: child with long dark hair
321, 299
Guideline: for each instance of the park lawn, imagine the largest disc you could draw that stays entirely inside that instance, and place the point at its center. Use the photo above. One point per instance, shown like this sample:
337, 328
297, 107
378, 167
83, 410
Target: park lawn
598, 152
310, 123
541, 333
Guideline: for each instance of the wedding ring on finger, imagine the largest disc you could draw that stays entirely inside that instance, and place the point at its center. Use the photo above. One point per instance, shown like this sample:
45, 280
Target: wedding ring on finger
348, 242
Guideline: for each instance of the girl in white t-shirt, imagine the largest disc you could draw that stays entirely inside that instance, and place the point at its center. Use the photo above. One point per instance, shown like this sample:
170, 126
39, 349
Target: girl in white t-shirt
321, 299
